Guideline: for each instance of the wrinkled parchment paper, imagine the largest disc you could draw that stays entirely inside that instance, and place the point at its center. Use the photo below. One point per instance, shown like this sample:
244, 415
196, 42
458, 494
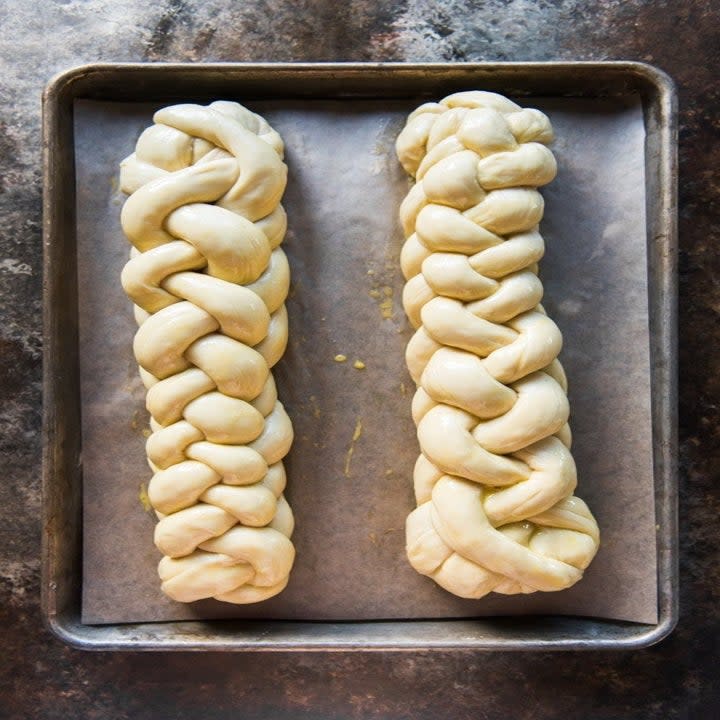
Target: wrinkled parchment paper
343, 243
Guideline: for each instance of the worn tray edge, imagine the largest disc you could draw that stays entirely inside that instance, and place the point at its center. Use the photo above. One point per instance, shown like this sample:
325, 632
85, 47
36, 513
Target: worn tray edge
331, 637
66, 626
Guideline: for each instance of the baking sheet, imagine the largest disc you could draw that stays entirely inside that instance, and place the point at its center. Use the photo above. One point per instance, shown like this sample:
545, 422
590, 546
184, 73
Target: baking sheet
343, 244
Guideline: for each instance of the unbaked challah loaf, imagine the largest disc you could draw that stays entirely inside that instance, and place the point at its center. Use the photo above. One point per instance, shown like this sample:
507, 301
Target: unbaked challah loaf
209, 281
495, 479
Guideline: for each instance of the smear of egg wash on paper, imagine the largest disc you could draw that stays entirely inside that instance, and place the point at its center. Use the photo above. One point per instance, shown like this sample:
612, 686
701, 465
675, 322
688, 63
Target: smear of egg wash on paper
351, 449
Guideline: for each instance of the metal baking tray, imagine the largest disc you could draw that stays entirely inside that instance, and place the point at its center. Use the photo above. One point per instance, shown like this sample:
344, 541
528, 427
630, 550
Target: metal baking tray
62, 454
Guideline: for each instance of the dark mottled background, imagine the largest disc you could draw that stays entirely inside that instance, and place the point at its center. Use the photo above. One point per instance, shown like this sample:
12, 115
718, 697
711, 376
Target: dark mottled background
40, 678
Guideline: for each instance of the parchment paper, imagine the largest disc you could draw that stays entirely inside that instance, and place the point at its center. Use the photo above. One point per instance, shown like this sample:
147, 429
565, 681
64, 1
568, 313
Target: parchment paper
343, 194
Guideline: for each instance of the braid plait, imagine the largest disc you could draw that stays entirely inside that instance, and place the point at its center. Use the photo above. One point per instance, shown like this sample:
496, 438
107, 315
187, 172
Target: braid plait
495, 478
209, 280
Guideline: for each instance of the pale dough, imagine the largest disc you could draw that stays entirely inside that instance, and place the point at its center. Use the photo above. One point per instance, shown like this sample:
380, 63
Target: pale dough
494, 483
209, 281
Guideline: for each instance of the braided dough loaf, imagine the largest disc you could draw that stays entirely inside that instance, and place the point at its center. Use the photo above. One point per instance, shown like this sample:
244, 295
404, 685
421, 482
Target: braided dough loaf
209, 282
495, 479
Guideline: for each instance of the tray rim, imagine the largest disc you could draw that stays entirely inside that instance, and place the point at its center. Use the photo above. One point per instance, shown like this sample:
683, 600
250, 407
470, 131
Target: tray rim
365, 635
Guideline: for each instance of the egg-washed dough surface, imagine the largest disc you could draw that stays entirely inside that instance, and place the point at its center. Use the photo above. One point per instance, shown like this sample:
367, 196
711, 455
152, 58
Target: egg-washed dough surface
351, 562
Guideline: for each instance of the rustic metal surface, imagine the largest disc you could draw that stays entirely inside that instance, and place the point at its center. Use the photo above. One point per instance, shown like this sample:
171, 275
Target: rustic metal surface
63, 463
41, 677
